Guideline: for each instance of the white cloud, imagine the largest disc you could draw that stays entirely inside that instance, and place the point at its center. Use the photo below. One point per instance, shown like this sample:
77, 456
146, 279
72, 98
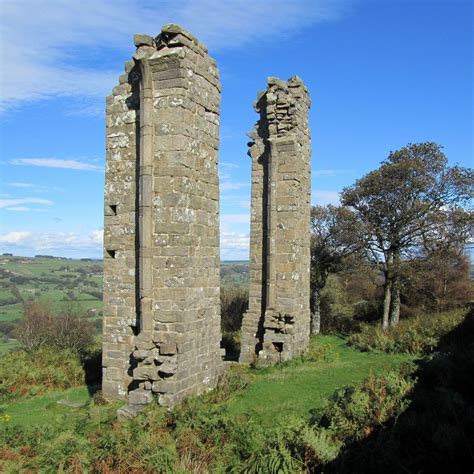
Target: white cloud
56, 163
39, 241
44, 43
235, 219
232, 240
15, 202
14, 238
325, 197
234, 246
97, 236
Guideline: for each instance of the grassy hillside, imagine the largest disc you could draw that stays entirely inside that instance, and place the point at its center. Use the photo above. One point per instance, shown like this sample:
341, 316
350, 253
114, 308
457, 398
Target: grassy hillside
290, 389
58, 280
66, 430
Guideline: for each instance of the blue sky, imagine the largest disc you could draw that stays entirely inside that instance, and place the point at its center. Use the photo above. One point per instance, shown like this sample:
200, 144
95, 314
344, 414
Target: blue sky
380, 73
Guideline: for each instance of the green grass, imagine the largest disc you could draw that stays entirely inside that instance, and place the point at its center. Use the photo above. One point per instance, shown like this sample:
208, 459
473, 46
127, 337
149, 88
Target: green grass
8, 345
293, 388
296, 387
11, 312
39, 410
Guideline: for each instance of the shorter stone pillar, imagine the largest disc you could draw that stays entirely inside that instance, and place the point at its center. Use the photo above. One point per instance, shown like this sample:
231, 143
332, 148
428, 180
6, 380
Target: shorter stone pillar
277, 324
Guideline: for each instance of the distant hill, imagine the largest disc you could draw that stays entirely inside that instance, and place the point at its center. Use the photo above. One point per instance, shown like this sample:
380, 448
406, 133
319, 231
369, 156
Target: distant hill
60, 281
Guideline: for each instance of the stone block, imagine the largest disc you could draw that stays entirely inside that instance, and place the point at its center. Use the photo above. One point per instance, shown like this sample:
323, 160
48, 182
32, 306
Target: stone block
140, 397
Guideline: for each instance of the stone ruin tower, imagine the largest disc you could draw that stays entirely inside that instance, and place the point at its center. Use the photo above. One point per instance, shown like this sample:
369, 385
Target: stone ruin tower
161, 267
277, 324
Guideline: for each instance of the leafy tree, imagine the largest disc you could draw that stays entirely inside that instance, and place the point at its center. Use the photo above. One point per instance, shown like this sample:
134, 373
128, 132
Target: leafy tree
438, 278
335, 234
403, 202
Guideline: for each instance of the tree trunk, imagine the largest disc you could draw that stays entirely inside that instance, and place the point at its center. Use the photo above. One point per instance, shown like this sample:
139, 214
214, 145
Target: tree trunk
387, 289
395, 306
316, 316
386, 301
395, 303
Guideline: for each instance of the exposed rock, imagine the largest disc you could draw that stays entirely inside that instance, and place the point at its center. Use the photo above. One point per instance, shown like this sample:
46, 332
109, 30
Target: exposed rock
70, 404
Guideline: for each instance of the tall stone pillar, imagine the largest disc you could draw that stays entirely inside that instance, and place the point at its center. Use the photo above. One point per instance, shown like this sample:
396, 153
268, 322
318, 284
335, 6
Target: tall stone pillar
277, 323
161, 235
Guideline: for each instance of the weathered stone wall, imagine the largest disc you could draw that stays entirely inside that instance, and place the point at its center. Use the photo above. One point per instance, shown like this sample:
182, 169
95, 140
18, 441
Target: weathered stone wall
161, 294
276, 325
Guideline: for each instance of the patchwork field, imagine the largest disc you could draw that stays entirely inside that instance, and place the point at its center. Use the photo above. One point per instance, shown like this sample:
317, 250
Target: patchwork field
62, 281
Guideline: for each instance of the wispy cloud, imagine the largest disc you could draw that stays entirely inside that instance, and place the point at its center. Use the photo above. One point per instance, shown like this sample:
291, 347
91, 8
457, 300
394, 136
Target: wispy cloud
325, 197
226, 165
49, 65
57, 163
232, 186
21, 185
18, 209
11, 203
235, 219
318, 172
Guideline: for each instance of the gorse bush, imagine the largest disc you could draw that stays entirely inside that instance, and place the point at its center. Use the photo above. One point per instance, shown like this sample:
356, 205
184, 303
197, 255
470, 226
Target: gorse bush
416, 335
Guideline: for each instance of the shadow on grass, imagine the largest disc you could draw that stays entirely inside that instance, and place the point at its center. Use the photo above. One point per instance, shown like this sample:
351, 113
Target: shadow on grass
436, 432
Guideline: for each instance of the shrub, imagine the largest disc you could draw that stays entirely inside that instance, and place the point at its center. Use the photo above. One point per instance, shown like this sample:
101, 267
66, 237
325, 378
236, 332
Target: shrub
317, 352
26, 373
354, 412
296, 447
71, 331
436, 432
234, 303
67, 452
34, 330
40, 328
142, 444
416, 335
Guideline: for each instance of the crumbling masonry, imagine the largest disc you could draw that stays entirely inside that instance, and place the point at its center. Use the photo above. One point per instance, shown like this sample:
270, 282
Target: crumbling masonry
161, 258
161, 267
277, 323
